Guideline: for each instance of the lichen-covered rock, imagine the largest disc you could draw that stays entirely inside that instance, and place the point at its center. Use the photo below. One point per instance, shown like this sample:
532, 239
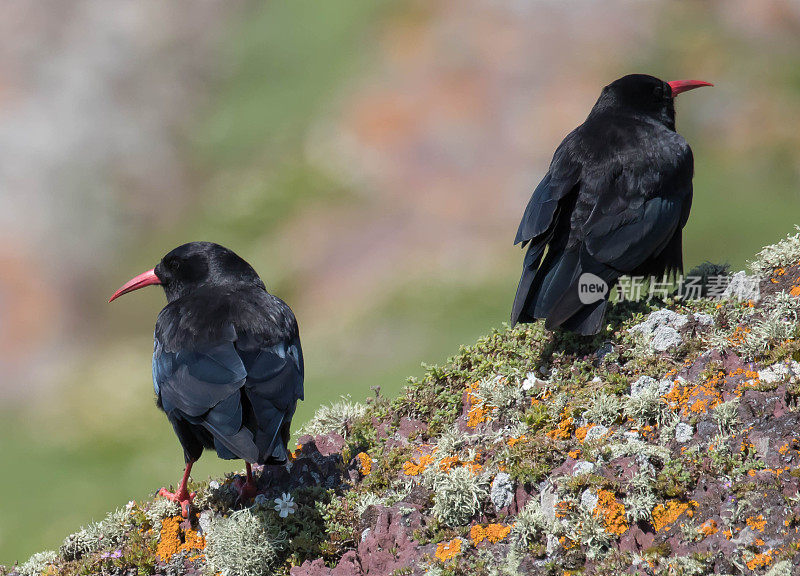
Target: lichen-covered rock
502, 491
673, 452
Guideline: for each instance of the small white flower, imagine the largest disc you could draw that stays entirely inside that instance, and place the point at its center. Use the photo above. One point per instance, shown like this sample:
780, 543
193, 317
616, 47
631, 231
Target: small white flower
285, 505
130, 505
260, 501
213, 485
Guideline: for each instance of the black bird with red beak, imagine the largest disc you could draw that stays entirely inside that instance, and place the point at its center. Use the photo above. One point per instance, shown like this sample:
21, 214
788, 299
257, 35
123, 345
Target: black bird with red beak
614, 202
227, 362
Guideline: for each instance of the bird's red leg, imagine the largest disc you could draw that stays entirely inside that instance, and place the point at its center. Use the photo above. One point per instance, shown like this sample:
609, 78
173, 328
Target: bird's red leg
248, 489
181, 495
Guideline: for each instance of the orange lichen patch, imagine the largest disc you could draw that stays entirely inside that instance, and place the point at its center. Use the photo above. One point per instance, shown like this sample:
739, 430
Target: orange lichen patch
699, 406
580, 433
193, 541
514, 441
496, 532
698, 398
666, 514
493, 532
366, 463
411, 468
728, 534
738, 335
784, 449
173, 540
574, 454
478, 411
776, 471
759, 541
563, 509
795, 291
611, 512
757, 522
760, 561
473, 467
567, 543
709, 528
447, 550
564, 429
447, 463
477, 533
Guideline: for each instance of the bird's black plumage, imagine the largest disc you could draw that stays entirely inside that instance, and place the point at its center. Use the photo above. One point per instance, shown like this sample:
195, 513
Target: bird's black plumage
613, 202
227, 361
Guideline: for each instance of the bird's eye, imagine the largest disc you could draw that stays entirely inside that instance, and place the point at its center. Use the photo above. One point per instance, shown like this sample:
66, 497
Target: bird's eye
174, 264
658, 92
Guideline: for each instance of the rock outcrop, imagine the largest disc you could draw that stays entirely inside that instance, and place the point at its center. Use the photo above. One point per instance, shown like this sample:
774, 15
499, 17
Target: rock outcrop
667, 445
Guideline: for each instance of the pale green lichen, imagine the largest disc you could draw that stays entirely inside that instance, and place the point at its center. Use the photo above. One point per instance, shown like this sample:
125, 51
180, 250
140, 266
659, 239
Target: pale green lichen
458, 495
97, 536
529, 524
243, 544
588, 529
334, 418
161, 508
646, 407
687, 566
605, 409
640, 498
779, 255
367, 499
637, 449
782, 568
503, 395
727, 415
38, 563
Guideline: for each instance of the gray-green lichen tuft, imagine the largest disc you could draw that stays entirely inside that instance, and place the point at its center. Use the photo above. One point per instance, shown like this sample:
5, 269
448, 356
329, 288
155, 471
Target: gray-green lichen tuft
244, 544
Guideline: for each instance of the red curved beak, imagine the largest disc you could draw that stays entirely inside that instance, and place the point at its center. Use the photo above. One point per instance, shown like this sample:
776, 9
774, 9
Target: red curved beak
144, 279
679, 86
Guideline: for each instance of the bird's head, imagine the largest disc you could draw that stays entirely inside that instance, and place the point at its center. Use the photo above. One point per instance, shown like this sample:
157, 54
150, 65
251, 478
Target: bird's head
645, 95
191, 266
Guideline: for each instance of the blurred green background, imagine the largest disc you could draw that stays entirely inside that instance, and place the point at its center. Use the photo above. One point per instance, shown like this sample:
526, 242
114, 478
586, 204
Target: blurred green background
370, 158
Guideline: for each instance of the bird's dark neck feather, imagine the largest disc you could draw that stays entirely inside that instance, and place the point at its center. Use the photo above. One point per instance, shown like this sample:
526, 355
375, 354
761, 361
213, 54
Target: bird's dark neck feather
207, 315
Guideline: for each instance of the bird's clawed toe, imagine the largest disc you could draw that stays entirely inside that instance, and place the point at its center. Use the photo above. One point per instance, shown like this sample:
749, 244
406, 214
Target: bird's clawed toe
247, 489
182, 497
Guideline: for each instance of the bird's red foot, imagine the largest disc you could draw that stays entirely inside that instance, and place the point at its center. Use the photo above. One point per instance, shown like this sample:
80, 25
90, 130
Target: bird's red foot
181, 496
247, 489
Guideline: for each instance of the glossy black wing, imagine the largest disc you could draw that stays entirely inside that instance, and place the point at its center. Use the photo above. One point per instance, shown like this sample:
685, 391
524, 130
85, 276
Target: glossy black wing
241, 391
202, 388
639, 203
560, 180
640, 213
273, 387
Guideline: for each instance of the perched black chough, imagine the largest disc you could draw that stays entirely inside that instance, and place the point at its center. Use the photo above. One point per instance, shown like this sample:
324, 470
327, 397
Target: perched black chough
614, 202
227, 362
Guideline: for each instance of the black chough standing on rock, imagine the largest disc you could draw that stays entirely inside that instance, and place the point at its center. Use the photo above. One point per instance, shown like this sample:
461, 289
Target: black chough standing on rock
227, 362
614, 202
